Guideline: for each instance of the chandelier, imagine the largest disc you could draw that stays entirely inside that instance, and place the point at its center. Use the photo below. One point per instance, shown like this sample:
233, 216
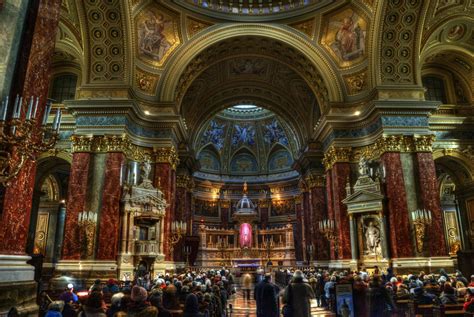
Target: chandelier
21, 140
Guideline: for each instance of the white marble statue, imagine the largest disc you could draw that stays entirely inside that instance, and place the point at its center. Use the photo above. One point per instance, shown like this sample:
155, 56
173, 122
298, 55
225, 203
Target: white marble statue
363, 166
372, 238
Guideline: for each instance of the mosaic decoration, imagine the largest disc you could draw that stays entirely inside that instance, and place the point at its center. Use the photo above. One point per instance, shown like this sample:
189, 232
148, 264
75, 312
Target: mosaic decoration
345, 36
206, 208
243, 134
157, 35
279, 161
283, 207
214, 134
243, 163
274, 133
209, 161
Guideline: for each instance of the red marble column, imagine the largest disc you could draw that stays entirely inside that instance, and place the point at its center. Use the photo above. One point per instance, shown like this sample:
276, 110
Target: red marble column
429, 198
299, 233
330, 210
399, 229
109, 226
188, 211
15, 217
76, 201
165, 179
305, 203
319, 212
340, 173
224, 206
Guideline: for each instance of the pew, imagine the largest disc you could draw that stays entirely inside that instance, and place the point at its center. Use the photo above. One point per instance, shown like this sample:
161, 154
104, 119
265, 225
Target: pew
424, 310
451, 310
405, 308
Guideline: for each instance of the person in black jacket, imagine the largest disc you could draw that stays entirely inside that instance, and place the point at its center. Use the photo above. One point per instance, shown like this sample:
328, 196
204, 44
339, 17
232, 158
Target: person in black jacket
266, 295
379, 300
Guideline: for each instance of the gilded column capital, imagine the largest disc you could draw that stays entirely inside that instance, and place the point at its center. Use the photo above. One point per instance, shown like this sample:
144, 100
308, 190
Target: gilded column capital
423, 143
335, 155
109, 143
167, 155
315, 181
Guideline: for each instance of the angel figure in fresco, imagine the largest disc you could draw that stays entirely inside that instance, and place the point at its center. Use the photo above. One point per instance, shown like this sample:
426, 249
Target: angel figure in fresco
152, 40
349, 42
215, 135
243, 134
274, 133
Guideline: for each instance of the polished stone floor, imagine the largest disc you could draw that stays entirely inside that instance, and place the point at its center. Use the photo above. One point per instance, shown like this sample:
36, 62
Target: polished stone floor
247, 308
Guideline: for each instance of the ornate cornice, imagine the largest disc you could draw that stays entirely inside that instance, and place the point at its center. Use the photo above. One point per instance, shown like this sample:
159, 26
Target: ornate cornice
109, 143
167, 155
336, 155
384, 144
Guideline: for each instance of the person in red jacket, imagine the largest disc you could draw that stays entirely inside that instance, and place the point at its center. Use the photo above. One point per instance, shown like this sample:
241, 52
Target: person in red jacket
469, 304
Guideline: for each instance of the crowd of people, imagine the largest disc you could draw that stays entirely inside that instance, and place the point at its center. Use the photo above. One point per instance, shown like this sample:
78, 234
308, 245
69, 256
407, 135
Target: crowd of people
206, 294
377, 294
194, 294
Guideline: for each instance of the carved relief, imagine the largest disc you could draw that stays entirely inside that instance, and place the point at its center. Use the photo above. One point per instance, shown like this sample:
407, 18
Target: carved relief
344, 36
195, 26
145, 81
356, 83
157, 34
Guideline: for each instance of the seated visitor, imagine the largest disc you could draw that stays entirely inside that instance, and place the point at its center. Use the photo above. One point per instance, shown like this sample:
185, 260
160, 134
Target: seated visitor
421, 297
94, 306
138, 300
449, 295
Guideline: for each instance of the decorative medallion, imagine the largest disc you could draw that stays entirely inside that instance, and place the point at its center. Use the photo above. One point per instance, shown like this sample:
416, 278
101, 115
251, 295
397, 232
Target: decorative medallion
157, 34
356, 83
344, 36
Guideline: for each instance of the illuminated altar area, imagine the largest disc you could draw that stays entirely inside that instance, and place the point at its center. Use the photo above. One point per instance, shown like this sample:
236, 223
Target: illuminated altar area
245, 245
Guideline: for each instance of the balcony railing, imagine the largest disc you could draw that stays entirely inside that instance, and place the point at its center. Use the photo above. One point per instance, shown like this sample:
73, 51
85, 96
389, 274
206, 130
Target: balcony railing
147, 247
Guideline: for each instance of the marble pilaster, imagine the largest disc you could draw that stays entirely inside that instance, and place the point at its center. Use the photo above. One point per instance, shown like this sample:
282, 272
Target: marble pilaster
109, 226
318, 209
340, 174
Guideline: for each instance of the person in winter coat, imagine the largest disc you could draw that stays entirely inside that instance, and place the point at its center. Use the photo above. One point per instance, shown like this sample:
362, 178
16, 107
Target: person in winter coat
301, 295
138, 300
448, 296
191, 307
95, 306
55, 309
266, 296
379, 300
360, 297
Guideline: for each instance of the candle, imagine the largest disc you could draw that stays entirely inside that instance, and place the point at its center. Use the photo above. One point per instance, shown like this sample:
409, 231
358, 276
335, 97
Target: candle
5, 110
46, 113
30, 109
59, 121
2, 111
15, 106
36, 107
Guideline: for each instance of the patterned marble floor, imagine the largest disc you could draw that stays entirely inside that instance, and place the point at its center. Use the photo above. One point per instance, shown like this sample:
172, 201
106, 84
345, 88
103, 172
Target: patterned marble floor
247, 308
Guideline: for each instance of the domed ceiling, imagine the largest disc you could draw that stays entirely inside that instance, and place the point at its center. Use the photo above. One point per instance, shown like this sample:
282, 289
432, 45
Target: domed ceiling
247, 141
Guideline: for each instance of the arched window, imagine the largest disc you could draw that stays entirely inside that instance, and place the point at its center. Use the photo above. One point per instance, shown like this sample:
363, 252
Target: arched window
64, 88
434, 89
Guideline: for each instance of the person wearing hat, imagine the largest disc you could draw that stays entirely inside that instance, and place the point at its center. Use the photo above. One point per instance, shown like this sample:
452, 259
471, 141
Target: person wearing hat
298, 295
139, 300
266, 296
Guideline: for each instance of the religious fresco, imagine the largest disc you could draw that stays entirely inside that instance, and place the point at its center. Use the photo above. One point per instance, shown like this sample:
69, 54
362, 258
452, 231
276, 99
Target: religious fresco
157, 35
274, 133
247, 66
243, 163
244, 134
214, 134
283, 207
206, 208
279, 161
345, 36
209, 161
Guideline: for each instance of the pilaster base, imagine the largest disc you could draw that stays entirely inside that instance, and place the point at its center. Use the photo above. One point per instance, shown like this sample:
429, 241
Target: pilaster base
82, 273
340, 264
17, 285
417, 264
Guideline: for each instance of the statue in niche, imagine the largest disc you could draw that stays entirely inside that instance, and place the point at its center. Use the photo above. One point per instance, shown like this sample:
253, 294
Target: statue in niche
146, 169
363, 166
372, 238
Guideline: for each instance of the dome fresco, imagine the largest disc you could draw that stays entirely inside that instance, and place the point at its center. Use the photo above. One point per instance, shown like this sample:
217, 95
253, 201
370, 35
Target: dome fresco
245, 140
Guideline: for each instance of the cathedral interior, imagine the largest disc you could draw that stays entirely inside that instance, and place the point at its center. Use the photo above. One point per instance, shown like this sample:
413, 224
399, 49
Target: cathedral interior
204, 133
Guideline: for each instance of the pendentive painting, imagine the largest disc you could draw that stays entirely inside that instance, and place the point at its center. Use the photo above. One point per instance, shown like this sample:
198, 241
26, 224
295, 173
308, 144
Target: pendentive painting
157, 34
344, 36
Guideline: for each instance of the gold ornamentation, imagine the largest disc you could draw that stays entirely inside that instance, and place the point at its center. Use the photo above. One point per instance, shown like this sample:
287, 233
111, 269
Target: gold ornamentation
195, 26
315, 181
335, 155
182, 181
356, 83
305, 26
424, 143
145, 81
167, 155
109, 143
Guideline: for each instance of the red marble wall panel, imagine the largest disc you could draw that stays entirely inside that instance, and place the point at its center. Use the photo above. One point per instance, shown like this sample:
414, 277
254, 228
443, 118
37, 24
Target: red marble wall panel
306, 218
109, 226
163, 180
399, 228
340, 173
299, 233
188, 212
330, 210
180, 205
76, 201
319, 212
429, 198
15, 217
225, 215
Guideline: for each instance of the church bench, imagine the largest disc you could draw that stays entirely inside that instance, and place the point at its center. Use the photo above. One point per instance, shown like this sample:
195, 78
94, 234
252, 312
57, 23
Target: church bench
405, 308
452, 310
424, 310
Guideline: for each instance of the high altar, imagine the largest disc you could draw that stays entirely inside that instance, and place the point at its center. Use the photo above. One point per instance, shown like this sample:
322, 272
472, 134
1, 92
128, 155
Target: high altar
245, 246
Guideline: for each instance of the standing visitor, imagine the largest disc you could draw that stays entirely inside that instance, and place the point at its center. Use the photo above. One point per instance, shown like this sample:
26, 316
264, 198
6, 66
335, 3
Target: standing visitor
266, 296
301, 295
